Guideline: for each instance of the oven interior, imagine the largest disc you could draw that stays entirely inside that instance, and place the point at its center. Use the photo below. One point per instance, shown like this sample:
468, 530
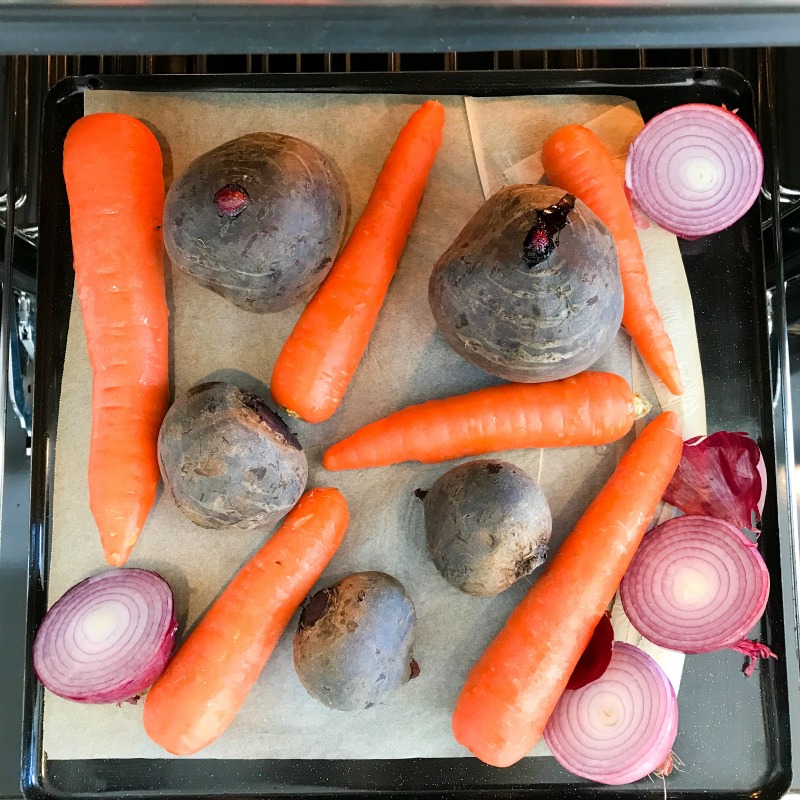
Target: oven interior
24, 82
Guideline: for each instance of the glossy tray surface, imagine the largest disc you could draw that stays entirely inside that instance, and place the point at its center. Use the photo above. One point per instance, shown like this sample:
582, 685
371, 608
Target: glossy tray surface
734, 734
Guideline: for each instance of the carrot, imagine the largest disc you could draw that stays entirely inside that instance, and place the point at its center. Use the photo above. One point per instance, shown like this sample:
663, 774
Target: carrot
321, 355
515, 685
205, 684
577, 161
115, 186
591, 408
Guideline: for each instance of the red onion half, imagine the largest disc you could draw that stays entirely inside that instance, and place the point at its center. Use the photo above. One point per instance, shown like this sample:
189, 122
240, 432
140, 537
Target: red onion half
619, 728
696, 584
108, 638
695, 169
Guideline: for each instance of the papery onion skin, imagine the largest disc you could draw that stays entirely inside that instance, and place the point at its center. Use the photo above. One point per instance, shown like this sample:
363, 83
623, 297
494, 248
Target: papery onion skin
752, 650
761, 468
83, 653
685, 556
596, 657
695, 169
721, 475
635, 688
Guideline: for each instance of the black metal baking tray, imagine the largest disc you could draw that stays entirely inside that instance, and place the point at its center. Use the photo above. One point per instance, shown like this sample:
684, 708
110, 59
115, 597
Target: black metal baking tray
734, 734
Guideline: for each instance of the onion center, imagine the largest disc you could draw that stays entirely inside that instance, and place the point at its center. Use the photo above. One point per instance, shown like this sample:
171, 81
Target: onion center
700, 174
99, 624
605, 711
693, 588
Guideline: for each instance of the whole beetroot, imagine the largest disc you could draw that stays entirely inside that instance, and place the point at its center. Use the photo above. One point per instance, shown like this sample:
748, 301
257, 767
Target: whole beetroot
530, 290
487, 524
258, 220
228, 459
353, 644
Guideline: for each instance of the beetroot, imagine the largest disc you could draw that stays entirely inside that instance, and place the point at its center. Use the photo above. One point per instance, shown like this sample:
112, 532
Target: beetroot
354, 640
228, 459
259, 220
530, 290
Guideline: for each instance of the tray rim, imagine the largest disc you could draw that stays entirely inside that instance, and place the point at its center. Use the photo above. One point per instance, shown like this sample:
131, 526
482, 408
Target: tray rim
474, 83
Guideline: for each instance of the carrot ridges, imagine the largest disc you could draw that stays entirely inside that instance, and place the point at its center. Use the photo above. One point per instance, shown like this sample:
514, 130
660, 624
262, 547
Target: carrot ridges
115, 187
592, 408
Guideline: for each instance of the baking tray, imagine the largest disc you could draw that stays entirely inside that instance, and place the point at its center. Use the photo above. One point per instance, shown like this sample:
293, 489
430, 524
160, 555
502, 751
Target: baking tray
734, 736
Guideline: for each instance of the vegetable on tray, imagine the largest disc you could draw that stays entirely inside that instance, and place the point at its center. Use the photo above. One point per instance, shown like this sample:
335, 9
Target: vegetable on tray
697, 584
108, 638
205, 684
115, 187
576, 160
353, 645
695, 169
722, 475
619, 728
515, 685
596, 657
487, 524
592, 408
228, 460
258, 220
321, 355
530, 289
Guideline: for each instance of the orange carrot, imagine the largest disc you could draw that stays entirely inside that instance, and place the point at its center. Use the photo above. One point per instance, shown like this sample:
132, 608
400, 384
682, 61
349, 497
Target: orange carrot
515, 685
577, 161
321, 355
205, 684
591, 408
115, 186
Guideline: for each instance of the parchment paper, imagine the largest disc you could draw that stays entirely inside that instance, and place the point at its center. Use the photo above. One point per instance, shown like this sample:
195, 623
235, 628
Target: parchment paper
406, 362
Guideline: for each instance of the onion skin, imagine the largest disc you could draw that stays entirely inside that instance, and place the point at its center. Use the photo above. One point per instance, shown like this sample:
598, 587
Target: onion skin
82, 623
633, 709
697, 584
721, 475
596, 657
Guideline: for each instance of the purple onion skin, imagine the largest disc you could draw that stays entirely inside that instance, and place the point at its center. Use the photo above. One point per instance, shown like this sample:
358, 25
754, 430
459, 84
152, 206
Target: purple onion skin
121, 691
721, 475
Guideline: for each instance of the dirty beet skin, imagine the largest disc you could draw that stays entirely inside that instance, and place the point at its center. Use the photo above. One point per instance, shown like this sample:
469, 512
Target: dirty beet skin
530, 290
487, 524
228, 459
258, 220
353, 643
